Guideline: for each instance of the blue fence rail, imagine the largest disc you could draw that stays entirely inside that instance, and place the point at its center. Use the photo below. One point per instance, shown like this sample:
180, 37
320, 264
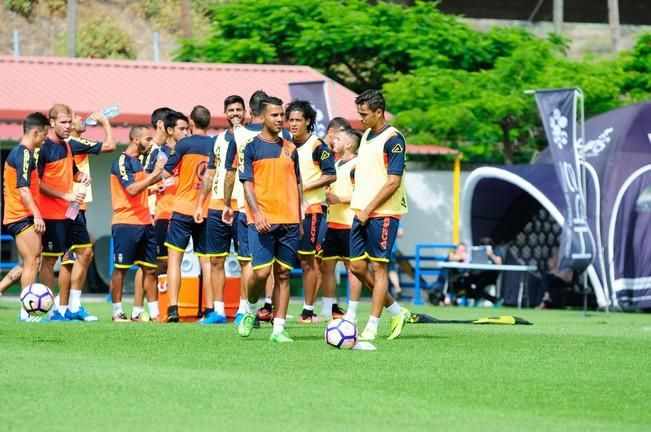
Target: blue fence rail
7, 265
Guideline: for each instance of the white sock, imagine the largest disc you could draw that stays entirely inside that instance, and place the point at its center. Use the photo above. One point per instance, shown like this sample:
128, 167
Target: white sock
23, 313
351, 312
308, 308
268, 300
279, 326
62, 309
117, 308
137, 310
326, 311
242, 307
394, 309
252, 307
153, 309
373, 323
75, 300
219, 308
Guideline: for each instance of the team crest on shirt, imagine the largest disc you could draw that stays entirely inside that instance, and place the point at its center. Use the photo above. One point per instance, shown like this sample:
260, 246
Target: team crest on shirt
286, 152
397, 149
120, 258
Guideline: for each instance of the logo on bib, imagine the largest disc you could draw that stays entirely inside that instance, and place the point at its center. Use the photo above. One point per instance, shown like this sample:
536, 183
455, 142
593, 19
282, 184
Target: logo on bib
397, 149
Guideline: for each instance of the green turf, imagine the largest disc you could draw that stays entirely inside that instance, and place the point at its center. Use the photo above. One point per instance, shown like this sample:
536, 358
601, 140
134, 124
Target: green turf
566, 372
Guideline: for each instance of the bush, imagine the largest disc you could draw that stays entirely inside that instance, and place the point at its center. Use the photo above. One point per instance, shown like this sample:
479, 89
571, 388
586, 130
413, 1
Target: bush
21, 7
98, 38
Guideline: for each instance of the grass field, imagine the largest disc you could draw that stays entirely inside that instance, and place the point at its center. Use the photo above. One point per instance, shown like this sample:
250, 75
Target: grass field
565, 372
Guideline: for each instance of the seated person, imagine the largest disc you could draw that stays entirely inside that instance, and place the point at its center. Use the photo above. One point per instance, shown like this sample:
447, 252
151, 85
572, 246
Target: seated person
478, 281
554, 280
458, 278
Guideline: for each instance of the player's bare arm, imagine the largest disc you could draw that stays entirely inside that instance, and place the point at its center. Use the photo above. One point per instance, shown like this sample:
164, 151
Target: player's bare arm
28, 200
206, 184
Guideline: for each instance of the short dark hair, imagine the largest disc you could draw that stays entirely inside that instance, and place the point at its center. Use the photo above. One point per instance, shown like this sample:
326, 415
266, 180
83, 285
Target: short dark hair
233, 99
172, 118
270, 100
304, 107
255, 102
338, 123
35, 120
200, 115
136, 131
159, 114
354, 136
372, 98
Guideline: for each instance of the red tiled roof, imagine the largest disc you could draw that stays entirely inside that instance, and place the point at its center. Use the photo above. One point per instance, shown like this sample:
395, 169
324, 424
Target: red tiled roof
30, 84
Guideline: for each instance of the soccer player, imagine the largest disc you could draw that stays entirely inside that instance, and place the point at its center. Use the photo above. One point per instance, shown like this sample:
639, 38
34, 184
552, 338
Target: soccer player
190, 157
336, 245
81, 149
21, 216
57, 171
160, 136
134, 239
335, 125
233, 188
273, 190
378, 200
176, 128
218, 232
317, 172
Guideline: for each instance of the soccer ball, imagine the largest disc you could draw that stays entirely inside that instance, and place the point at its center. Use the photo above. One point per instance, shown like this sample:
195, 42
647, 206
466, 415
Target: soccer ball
341, 333
37, 299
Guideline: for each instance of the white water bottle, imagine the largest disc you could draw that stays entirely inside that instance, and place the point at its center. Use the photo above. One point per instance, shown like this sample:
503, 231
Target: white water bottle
109, 112
169, 181
73, 208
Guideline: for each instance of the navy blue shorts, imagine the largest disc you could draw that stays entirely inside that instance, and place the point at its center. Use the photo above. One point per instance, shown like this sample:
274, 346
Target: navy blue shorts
220, 234
311, 226
15, 228
65, 234
69, 257
133, 244
160, 230
373, 240
181, 228
278, 245
243, 249
323, 230
336, 245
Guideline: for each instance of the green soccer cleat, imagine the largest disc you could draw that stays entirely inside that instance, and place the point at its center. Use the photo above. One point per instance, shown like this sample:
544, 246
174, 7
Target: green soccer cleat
368, 335
397, 323
281, 337
246, 325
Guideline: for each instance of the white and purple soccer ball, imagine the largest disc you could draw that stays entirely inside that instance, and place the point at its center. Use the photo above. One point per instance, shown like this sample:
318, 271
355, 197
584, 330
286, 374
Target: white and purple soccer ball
341, 333
37, 299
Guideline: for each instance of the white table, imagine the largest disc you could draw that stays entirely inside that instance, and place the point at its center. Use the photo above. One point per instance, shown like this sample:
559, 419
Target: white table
522, 269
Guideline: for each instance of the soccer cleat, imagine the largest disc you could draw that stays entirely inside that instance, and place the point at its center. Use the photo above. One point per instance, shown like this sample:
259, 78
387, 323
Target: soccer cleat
308, 317
34, 319
368, 335
81, 315
56, 316
238, 318
246, 325
172, 314
213, 318
120, 317
281, 337
337, 312
265, 314
397, 323
142, 317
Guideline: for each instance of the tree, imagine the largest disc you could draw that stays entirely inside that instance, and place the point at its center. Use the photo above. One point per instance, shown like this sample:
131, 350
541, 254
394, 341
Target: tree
487, 114
352, 42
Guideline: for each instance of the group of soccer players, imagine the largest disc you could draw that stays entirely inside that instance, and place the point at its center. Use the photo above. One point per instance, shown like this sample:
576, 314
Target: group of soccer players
280, 196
